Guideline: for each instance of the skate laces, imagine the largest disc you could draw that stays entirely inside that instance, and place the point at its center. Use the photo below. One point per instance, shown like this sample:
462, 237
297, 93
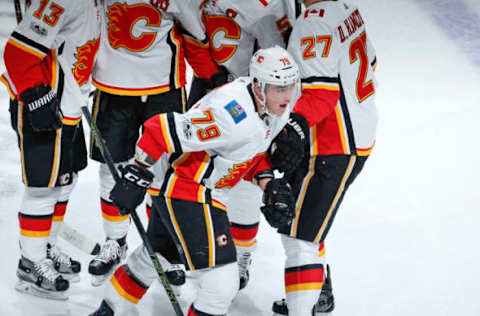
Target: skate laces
45, 269
58, 255
110, 251
244, 262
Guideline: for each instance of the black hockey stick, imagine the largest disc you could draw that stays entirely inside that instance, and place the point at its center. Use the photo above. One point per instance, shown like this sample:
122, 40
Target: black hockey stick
18, 10
107, 157
156, 263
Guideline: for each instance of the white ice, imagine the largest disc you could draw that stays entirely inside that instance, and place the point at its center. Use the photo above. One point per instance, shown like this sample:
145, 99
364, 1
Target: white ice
403, 242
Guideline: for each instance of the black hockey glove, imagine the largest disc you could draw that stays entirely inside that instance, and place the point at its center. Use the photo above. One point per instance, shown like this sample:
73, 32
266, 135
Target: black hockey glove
279, 208
288, 148
42, 108
129, 192
219, 78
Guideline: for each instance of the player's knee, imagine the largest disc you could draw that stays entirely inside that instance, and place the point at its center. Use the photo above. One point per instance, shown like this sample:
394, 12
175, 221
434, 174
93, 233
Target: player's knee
218, 287
39, 201
66, 190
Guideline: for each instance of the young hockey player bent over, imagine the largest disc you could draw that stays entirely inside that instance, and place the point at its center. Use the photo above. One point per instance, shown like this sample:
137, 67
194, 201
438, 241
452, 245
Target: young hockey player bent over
218, 142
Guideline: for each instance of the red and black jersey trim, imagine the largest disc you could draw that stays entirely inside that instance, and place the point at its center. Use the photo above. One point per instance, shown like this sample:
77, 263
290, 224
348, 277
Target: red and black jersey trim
170, 171
348, 122
173, 133
208, 172
195, 312
173, 62
31, 43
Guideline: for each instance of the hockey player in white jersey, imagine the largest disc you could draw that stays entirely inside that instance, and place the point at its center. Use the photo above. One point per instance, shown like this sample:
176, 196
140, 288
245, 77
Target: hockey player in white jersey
46, 117
337, 61
220, 141
235, 29
139, 73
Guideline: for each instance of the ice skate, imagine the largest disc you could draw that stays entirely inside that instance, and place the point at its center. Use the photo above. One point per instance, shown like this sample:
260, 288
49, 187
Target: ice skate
325, 302
41, 279
244, 262
176, 276
103, 310
64, 264
104, 264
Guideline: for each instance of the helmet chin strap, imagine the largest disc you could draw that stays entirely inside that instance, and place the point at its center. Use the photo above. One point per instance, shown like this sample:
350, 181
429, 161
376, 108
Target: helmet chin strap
266, 112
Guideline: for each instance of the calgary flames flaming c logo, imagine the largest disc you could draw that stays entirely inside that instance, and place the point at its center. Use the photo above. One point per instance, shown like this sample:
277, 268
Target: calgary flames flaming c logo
84, 65
121, 21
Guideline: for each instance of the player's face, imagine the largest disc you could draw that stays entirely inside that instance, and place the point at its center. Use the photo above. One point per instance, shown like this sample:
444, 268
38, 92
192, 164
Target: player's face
278, 98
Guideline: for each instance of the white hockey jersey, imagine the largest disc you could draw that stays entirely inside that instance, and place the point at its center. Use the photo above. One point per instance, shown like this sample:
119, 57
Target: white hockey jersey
141, 50
337, 62
218, 142
51, 28
233, 27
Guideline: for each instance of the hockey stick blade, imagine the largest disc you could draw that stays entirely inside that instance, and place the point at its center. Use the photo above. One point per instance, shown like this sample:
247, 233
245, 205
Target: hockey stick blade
79, 240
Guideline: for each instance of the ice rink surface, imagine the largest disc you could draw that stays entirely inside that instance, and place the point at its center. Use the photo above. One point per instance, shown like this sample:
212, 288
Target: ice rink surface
404, 241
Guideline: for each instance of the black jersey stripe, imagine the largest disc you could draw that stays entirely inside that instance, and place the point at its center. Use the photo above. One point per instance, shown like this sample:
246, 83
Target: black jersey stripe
19, 37
173, 132
173, 61
348, 122
320, 79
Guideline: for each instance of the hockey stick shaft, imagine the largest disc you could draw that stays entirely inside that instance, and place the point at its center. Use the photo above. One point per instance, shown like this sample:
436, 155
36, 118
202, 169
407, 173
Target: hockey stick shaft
66, 232
18, 10
107, 156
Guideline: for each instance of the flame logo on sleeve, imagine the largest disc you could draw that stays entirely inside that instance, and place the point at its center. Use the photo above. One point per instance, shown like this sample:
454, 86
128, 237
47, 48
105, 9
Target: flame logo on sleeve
85, 57
121, 22
235, 174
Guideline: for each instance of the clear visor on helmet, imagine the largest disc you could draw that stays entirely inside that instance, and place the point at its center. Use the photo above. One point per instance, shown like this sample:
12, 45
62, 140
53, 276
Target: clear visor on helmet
277, 98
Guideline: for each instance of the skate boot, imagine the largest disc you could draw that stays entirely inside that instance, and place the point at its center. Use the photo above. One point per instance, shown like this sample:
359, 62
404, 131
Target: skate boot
244, 262
325, 302
103, 310
41, 279
176, 276
64, 264
104, 264
280, 307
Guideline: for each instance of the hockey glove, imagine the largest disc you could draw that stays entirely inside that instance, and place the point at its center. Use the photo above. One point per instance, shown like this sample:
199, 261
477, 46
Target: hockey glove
219, 78
279, 208
129, 192
288, 148
42, 108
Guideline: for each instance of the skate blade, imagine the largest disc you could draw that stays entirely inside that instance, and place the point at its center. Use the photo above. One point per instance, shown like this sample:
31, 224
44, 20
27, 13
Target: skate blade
32, 289
71, 277
98, 280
